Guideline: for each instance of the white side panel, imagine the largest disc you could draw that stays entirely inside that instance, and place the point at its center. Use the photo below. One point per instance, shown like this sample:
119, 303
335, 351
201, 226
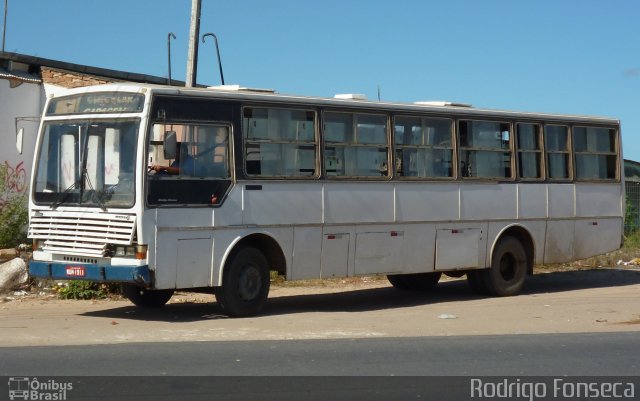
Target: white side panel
187, 217
335, 255
230, 213
488, 201
378, 252
282, 203
532, 201
183, 259
561, 201
427, 202
559, 243
194, 261
418, 253
458, 248
166, 259
307, 246
598, 200
597, 236
358, 202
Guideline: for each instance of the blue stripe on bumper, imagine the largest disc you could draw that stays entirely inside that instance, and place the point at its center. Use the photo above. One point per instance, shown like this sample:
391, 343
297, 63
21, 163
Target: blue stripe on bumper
92, 272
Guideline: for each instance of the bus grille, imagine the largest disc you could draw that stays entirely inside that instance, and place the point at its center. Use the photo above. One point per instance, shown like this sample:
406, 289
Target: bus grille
75, 233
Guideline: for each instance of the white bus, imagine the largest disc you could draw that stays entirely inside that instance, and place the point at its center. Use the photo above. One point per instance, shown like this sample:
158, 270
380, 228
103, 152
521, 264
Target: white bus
312, 188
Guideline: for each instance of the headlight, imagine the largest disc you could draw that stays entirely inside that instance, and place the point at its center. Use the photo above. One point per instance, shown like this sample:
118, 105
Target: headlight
37, 244
125, 251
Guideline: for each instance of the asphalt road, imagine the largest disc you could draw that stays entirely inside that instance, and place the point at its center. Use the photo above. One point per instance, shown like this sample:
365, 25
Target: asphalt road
572, 354
406, 368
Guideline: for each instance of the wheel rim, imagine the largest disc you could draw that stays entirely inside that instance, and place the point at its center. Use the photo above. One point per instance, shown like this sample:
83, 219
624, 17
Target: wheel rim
508, 267
249, 283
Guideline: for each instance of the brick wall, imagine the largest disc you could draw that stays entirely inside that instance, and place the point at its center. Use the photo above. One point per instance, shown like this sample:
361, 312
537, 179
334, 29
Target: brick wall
70, 79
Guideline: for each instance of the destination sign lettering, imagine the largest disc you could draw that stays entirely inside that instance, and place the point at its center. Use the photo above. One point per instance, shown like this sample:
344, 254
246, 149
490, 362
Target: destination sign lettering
93, 103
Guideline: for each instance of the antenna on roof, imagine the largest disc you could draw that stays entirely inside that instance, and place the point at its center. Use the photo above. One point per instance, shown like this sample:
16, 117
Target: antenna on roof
378, 92
169, 36
215, 38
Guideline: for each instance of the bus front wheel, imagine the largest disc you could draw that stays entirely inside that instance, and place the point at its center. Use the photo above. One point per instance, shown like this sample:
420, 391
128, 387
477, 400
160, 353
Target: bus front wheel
245, 283
140, 296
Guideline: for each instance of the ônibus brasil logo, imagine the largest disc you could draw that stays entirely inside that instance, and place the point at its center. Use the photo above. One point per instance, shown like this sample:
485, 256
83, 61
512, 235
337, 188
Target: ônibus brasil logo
24, 388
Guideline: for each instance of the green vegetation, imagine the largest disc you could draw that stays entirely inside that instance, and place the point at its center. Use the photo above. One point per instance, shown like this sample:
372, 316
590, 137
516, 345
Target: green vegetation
631, 218
81, 289
632, 240
14, 214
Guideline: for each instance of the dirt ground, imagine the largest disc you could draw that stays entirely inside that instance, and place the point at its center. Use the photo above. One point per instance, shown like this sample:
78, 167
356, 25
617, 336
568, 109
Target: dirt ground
590, 300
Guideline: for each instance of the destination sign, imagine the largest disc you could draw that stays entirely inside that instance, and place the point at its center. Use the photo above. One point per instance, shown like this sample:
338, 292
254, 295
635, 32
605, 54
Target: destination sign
92, 103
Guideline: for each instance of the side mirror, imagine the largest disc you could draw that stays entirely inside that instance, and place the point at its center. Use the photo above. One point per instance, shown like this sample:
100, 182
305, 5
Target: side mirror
170, 145
19, 136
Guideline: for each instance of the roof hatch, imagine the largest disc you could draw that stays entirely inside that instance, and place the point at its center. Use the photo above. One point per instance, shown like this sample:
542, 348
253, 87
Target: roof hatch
441, 103
238, 88
350, 96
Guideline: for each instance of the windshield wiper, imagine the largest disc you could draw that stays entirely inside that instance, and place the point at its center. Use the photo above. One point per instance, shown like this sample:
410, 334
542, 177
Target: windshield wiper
94, 195
64, 195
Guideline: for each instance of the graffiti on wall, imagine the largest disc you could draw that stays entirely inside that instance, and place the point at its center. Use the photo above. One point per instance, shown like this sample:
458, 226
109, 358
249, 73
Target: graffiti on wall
15, 183
15, 177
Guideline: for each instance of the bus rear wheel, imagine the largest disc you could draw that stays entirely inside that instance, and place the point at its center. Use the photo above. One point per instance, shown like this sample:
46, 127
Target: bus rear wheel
245, 283
415, 281
508, 270
145, 298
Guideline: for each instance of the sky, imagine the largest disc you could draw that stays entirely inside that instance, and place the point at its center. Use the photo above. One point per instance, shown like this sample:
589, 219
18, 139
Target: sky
557, 56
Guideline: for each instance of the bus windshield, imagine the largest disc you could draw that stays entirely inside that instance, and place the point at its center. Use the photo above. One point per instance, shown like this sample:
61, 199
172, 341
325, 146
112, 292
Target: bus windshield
88, 162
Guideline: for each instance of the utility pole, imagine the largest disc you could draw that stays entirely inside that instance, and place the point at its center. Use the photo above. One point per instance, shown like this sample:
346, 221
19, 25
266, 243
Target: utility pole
4, 24
194, 36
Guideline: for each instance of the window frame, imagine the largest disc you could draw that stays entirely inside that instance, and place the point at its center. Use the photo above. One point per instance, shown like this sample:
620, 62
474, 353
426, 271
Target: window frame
540, 151
398, 147
316, 142
615, 153
569, 152
388, 144
512, 162
228, 182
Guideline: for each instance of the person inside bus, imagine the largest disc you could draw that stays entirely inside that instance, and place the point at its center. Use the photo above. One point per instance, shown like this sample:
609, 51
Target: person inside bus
184, 164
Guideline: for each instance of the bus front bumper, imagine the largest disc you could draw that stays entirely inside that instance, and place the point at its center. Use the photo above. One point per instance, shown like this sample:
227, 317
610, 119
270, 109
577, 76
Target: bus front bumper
139, 275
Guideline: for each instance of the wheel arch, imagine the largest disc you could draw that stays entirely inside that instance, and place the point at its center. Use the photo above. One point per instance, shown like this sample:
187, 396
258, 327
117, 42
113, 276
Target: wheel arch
526, 239
263, 242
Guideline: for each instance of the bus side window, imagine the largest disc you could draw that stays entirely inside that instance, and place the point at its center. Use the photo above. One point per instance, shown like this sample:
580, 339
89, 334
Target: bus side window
279, 142
423, 147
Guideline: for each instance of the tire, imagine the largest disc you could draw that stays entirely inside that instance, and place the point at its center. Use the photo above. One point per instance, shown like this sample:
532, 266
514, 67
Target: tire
475, 280
397, 281
415, 281
145, 298
245, 283
455, 273
508, 269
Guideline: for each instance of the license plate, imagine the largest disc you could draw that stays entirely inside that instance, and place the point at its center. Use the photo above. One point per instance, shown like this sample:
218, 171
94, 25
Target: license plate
76, 271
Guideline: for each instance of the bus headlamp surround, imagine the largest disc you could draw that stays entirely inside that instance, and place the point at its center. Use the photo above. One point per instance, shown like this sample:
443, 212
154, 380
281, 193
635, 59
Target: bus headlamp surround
129, 251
